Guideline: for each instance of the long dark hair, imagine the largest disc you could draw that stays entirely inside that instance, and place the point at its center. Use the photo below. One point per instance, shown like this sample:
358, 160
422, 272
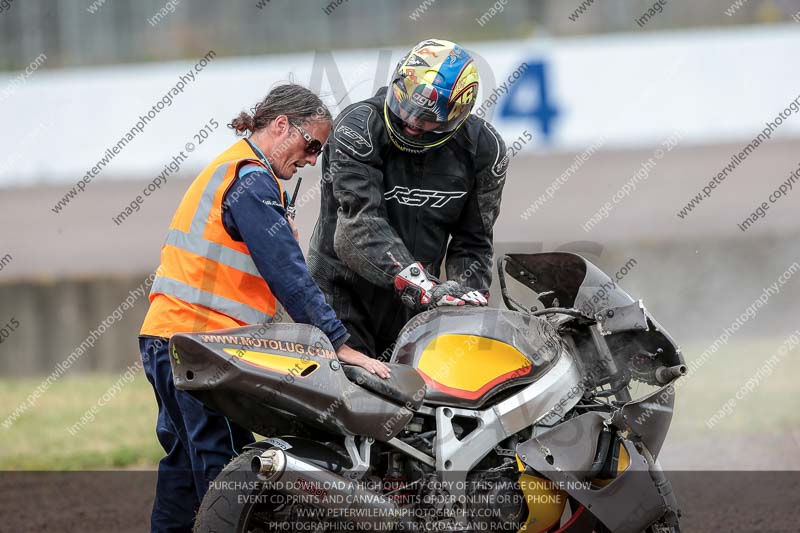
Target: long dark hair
295, 101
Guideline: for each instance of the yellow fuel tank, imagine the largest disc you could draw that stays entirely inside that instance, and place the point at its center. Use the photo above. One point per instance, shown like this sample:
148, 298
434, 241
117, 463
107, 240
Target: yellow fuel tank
466, 356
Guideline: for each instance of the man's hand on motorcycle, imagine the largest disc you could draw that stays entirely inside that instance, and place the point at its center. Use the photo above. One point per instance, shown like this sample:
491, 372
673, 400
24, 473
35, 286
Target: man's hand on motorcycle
418, 290
354, 357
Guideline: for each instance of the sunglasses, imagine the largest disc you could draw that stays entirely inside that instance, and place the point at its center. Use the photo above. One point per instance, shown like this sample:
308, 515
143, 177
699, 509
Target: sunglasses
313, 146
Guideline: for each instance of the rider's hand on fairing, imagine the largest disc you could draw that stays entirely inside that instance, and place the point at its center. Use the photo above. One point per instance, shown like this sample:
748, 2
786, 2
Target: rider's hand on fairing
354, 357
420, 291
474, 297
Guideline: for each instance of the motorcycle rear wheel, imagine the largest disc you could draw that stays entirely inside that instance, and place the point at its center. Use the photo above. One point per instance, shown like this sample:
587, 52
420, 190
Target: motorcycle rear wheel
238, 502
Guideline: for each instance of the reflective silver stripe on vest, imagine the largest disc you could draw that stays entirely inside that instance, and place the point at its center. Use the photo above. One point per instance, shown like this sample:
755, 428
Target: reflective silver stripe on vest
194, 241
206, 200
193, 295
212, 250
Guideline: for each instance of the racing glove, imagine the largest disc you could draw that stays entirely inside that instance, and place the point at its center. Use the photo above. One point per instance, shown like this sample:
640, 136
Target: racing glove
419, 290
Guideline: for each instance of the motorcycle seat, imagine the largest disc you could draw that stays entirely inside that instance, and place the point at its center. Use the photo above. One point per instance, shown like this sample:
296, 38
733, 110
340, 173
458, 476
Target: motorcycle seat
405, 386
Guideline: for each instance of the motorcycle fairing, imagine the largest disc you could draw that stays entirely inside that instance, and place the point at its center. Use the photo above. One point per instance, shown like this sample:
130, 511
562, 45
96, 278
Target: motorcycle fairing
544, 500
649, 417
267, 376
627, 504
563, 279
467, 356
282, 364
568, 279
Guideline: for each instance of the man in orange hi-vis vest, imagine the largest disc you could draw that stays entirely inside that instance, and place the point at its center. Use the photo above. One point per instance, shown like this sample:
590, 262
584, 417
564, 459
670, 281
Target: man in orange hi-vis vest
230, 255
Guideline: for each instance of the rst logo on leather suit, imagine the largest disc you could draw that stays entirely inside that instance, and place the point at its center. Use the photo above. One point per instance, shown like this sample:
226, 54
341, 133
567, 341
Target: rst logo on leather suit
354, 137
422, 197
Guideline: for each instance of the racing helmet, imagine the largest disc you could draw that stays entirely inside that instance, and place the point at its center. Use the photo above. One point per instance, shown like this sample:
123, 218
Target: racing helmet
432, 92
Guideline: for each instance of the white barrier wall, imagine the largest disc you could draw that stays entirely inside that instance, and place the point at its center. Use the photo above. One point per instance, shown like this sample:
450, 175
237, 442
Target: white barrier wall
712, 85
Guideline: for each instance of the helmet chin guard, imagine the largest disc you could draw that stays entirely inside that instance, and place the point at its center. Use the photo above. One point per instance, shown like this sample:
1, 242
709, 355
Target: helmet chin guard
410, 143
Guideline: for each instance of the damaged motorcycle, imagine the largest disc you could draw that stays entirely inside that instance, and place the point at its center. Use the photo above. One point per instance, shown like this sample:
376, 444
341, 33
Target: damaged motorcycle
547, 416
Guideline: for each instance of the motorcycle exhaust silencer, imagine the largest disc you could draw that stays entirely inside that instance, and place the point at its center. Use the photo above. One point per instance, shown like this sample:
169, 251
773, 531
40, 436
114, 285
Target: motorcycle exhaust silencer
340, 498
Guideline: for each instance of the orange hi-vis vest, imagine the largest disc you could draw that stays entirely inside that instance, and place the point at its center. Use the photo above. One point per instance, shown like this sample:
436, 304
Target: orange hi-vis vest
207, 280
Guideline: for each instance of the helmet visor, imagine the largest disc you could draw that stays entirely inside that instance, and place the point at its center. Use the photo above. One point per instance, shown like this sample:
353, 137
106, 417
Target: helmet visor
425, 109
413, 135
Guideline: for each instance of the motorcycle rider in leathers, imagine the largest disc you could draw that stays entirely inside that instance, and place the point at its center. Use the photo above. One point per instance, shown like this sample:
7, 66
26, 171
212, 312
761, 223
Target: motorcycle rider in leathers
410, 179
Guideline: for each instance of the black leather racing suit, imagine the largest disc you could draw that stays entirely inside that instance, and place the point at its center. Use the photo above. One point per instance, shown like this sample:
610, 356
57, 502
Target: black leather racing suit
383, 209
